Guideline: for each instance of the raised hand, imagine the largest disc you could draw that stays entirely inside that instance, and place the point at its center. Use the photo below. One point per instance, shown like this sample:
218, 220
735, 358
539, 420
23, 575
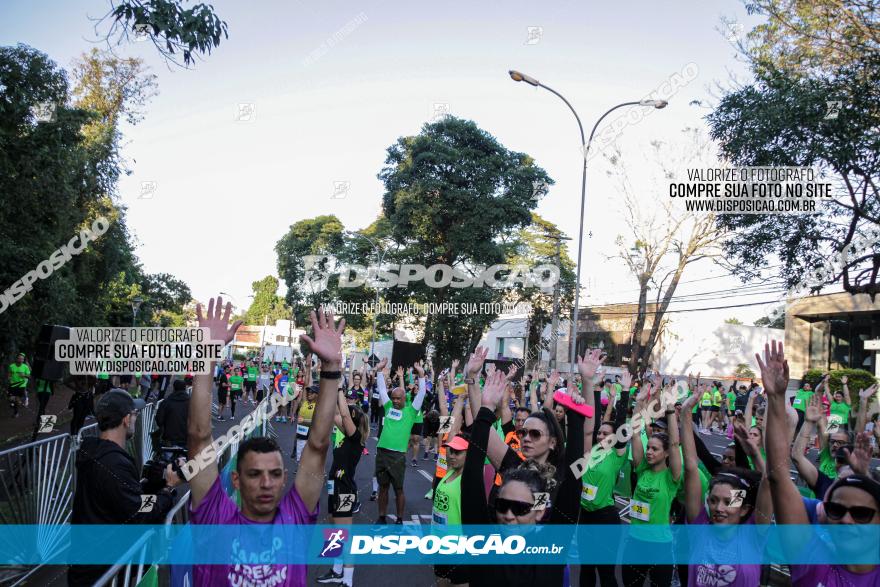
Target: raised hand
511, 372
327, 341
859, 458
553, 380
867, 393
478, 357
419, 369
690, 401
382, 364
217, 320
455, 363
774, 370
493, 390
626, 380
844, 380
814, 409
589, 364
749, 445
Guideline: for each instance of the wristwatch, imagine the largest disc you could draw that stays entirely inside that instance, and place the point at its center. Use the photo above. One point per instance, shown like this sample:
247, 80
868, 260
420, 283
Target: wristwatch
331, 375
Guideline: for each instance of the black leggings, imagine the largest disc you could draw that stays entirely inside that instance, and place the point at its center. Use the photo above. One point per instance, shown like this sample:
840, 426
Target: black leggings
659, 575
607, 515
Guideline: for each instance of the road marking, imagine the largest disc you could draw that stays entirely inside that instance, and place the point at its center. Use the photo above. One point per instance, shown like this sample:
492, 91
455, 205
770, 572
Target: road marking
418, 520
426, 475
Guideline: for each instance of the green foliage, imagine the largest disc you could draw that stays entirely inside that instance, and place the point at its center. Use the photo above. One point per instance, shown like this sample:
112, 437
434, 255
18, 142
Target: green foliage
734, 321
858, 379
743, 371
777, 322
267, 304
172, 28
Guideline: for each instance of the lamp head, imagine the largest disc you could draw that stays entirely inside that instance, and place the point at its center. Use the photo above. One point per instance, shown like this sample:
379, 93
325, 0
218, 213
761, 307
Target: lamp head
658, 104
518, 76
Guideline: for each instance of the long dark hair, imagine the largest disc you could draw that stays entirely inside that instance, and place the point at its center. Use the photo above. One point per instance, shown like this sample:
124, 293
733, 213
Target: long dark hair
557, 453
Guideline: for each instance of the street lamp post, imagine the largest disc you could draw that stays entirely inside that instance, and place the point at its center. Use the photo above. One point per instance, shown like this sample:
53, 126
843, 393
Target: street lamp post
135, 306
585, 146
379, 259
234, 306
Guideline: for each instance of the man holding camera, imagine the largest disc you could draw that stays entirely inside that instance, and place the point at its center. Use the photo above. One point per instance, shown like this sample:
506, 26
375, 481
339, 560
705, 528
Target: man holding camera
108, 488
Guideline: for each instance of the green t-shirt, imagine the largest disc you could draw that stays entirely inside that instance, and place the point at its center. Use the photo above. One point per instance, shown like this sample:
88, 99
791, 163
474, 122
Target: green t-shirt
706, 400
43, 386
338, 437
731, 400
397, 426
19, 375
597, 484
827, 464
716, 398
802, 400
235, 382
840, 411
105, 376
650, 504
253, 372
447, 502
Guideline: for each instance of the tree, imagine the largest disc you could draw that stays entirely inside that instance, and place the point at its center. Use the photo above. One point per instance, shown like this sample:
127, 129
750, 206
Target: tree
787, 126
734, 321
452, 193
267, 306
662, 240
809, 37
172, 29
778, 320
743, 371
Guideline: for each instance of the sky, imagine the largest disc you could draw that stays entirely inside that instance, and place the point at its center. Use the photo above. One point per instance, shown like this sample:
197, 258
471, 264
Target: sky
227, 187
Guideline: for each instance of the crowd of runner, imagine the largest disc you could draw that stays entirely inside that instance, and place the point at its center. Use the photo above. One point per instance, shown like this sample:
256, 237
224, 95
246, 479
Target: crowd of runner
511, 450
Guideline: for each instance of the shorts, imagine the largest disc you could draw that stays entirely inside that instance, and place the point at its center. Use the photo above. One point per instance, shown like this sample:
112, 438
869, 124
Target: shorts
222, 396
250, 386
390, 468
430, 430
343, 509
416, 429
715, 409
456, 574
17, 391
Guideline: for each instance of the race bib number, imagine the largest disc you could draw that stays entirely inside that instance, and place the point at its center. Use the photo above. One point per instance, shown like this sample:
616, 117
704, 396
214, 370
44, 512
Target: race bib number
639, 510
438, 518
441, 463
798, 401
395, 414
375, 395
589, 492
330, 486
302, 430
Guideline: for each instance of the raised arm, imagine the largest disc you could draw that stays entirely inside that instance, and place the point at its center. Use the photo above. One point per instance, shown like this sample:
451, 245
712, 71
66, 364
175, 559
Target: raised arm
865, 396
474, 509
638, 451
787, 503
807, 469
199, 436
326, 342
348, 426
674, 443
420, 395
380, 383
693, 489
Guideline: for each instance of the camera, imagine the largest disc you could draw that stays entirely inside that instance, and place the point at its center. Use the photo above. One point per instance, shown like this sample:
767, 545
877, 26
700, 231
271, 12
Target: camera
153, 472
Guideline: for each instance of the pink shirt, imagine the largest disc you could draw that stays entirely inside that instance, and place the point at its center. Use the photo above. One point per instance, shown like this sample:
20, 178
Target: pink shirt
218, 509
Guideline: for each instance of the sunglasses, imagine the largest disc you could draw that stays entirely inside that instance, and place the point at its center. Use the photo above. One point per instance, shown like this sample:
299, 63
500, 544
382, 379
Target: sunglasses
859, 513
518, 508
533, 433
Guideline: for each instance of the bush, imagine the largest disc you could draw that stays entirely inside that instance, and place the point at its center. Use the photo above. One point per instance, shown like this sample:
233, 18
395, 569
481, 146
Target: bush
743, 371
858, 379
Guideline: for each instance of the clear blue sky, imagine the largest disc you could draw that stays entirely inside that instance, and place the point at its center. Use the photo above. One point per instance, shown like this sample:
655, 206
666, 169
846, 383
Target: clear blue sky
227, 190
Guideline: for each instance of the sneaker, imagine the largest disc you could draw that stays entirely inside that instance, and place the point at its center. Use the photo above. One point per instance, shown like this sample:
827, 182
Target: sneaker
373, 496
399, 521
330, 577
425, 456
221, 419
414, 463
382, 520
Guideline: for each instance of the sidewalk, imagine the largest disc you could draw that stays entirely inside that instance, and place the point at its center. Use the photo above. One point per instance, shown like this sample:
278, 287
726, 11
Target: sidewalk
15, 431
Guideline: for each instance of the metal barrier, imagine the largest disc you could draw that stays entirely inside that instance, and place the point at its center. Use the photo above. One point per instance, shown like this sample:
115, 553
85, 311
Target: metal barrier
124, 571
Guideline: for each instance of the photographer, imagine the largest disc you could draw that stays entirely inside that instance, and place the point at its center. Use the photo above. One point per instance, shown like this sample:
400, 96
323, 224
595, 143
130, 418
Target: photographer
172, 416
108, 489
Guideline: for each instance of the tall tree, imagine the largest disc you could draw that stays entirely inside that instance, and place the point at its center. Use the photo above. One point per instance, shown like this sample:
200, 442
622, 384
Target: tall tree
452, 193
267, 304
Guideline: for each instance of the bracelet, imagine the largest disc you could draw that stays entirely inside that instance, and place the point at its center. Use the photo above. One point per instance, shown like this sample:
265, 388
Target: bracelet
470, 381
331, 375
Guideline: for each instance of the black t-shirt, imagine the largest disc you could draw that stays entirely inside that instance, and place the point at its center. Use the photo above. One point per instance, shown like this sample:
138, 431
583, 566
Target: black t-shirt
823, 482
345, 459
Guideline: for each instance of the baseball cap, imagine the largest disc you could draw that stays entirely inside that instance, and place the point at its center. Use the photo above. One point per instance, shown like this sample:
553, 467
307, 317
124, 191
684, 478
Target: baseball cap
116, 404
457, 443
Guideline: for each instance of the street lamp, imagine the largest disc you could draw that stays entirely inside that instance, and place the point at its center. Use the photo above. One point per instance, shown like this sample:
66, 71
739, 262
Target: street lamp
379, 259
585, 145
234, 306
135, 306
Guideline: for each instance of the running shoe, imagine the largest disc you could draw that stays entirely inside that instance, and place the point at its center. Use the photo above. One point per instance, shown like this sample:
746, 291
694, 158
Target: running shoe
373, 496
330, 577
414, 463
382, 520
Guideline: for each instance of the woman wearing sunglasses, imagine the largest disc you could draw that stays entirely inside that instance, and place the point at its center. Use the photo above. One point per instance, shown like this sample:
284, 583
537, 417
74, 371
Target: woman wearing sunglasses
658, 468
520, 493
447, 506
852, 499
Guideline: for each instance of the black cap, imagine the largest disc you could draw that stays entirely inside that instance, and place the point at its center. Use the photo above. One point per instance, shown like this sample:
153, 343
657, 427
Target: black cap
115, 405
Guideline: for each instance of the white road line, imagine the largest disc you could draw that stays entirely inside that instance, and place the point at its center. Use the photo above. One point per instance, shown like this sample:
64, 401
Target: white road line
426, 475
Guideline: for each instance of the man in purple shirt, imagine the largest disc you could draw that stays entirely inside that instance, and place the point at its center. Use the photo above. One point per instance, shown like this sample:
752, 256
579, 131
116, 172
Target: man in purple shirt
260, 475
